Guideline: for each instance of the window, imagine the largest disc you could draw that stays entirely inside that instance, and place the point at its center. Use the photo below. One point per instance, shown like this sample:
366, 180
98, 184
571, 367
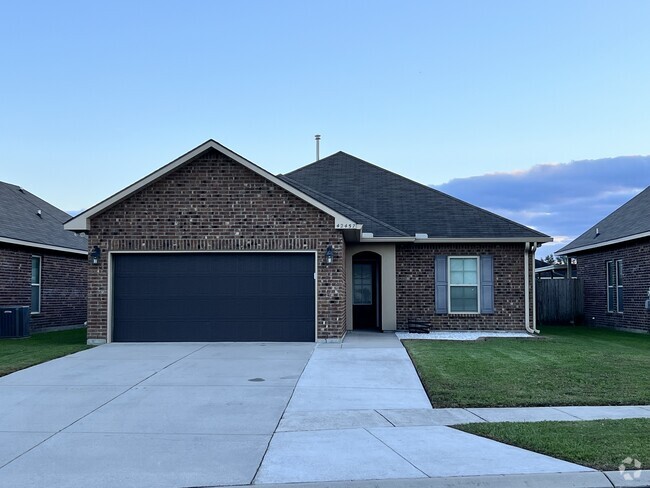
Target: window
36, 284
615, 286
463, 285
619, 285
362, 284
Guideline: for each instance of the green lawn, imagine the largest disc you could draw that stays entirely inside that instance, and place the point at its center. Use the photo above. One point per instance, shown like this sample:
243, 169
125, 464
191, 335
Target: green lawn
17, 354
600, 444
571, 366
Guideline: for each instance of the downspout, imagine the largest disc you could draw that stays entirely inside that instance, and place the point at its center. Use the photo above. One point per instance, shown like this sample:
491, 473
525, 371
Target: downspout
529, 329
533, 248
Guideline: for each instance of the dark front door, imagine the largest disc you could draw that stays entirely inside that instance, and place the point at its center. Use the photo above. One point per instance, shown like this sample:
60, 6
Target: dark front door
213, 297
365, 291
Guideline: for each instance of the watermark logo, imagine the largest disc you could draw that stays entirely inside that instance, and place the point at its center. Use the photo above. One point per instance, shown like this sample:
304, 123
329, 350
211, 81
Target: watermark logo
625, 469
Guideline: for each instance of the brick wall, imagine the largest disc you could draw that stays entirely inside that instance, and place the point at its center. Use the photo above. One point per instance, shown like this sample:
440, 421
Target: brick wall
63, 285
416, 286
214, 203
636, 280
15, 275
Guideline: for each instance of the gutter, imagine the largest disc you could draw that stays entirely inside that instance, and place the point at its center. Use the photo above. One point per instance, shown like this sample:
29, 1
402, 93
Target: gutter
453, 240
36, 245
567, 250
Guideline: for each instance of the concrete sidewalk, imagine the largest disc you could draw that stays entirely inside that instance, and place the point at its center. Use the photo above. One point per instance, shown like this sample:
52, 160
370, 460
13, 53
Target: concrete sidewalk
354, 416
454, 416
593, 479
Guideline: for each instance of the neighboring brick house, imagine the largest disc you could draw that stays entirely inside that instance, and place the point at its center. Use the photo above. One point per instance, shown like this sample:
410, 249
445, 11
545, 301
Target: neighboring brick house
613, 260
42, 265
211, 247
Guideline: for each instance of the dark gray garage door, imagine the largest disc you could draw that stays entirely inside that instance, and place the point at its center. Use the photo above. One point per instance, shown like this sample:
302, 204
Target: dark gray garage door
213, 297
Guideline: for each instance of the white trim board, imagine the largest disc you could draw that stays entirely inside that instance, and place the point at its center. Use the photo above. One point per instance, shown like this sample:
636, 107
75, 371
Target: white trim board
81, 221
566, 251
36, 245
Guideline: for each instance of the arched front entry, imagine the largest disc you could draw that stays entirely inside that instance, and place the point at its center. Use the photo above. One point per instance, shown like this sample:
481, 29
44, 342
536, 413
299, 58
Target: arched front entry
366, 291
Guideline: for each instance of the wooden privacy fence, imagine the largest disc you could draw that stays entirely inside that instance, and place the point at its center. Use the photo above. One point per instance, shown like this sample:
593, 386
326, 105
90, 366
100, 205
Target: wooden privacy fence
560, 301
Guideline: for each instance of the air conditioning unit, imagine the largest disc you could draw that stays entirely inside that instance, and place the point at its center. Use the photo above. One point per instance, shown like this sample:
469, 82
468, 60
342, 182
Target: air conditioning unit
14, 322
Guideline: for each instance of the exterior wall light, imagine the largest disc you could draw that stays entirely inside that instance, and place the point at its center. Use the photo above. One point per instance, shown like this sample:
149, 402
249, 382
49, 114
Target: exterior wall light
329, 254
95, 254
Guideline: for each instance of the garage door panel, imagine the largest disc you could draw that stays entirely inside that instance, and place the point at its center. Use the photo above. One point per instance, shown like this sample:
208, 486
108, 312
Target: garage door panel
214, 297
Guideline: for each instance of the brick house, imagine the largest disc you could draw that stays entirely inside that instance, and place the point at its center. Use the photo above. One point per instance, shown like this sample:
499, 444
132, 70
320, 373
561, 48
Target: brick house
42, 265
613, 260
212, 247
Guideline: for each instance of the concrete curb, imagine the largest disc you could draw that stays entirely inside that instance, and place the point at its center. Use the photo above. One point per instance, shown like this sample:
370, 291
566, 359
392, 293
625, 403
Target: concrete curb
586, 479
642, 479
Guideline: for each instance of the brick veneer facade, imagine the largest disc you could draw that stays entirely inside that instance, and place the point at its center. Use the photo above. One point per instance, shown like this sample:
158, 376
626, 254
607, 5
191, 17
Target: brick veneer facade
213, 203
416, 286
592, 269
63, 285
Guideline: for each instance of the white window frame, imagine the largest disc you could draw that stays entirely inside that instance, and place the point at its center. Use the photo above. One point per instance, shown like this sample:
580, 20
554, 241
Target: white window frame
478, 285
40, 281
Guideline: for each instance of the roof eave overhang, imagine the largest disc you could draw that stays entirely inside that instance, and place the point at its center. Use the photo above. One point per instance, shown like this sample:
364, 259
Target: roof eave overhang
451, 240
82, 221
38, 245
566, 251
551, 267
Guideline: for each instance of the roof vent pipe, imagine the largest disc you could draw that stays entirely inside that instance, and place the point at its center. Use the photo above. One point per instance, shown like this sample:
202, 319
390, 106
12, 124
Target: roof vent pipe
597, 232
317, 136
39, 213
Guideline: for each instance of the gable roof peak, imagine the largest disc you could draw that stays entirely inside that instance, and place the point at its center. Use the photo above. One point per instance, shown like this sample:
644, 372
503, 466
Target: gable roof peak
82, 221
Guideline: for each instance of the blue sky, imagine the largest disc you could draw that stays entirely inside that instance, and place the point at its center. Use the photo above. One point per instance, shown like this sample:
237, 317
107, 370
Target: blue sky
94, 95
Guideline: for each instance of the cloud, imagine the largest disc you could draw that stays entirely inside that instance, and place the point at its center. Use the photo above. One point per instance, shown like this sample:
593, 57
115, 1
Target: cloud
560, 199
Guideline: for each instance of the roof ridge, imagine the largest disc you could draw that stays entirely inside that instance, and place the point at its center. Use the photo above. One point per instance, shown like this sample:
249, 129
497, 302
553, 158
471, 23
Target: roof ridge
467, 204
375, 219
316, 162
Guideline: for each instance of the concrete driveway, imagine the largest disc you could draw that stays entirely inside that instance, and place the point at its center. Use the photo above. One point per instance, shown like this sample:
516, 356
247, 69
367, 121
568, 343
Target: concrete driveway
187, 415
141, 415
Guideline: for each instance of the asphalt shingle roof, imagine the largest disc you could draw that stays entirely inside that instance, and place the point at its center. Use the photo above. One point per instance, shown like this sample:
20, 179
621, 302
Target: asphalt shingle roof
19, 220
628, 220
390, 205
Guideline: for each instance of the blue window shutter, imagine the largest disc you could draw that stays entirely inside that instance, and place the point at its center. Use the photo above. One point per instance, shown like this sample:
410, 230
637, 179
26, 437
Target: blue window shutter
441, 284
487, 284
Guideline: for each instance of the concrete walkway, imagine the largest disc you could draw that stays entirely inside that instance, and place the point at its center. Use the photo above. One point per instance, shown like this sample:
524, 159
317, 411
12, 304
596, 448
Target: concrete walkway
359, 412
